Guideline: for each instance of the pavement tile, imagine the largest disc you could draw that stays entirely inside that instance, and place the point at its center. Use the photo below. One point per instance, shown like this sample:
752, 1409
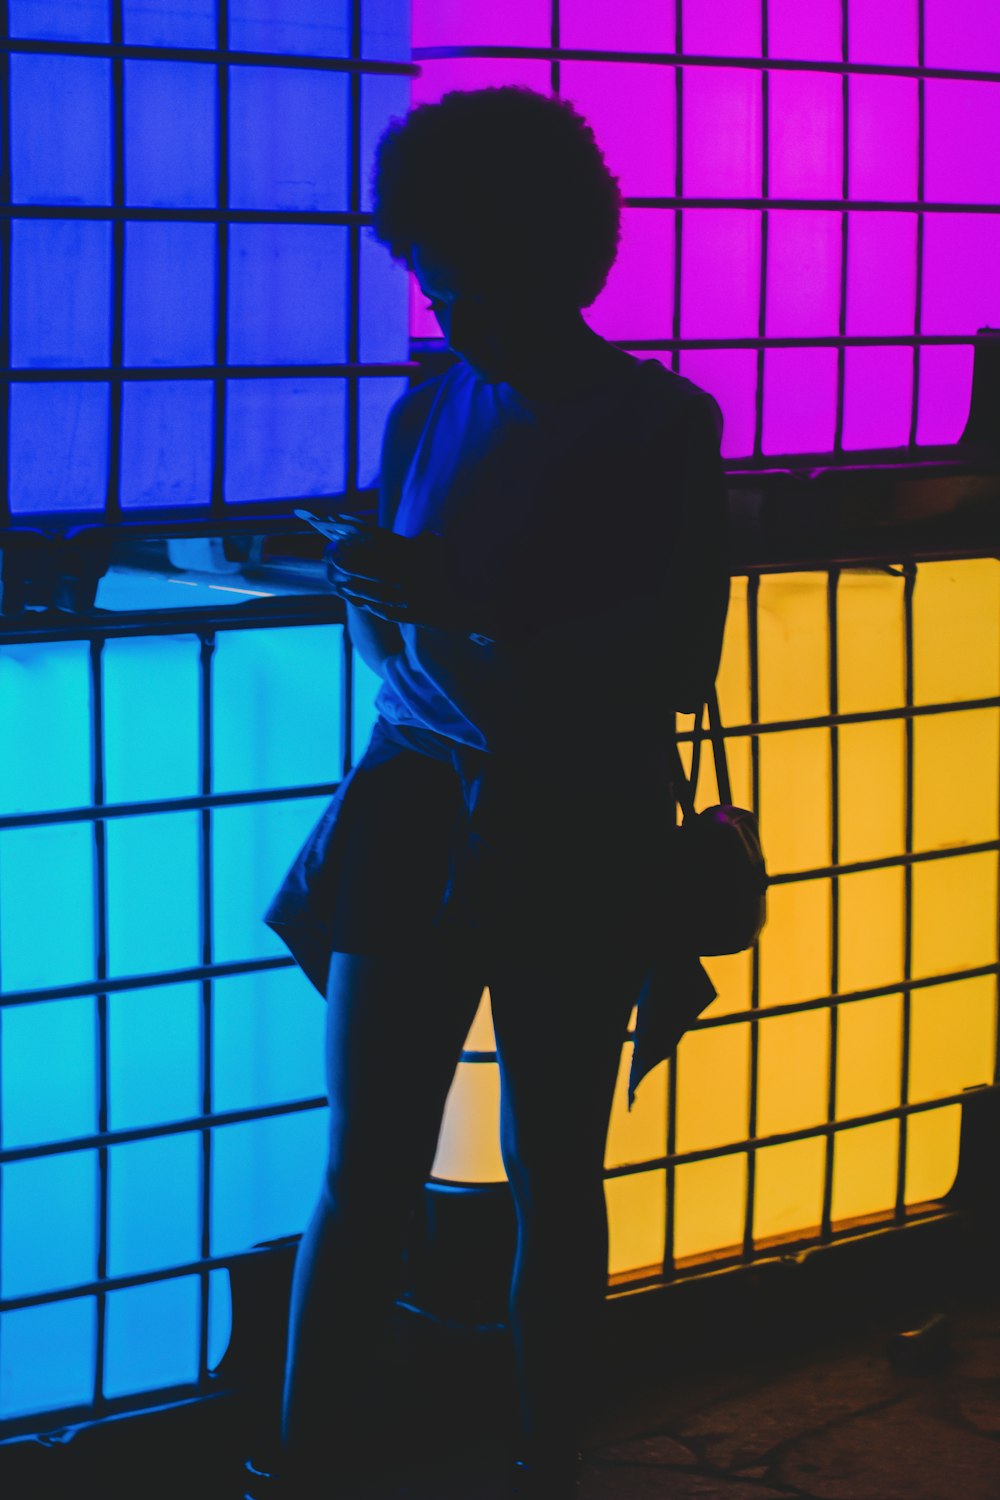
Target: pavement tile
628, 1482
651, 1448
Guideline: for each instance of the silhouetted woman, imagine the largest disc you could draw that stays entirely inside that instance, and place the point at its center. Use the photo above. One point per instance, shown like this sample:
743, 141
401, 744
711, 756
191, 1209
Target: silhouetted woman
546, 587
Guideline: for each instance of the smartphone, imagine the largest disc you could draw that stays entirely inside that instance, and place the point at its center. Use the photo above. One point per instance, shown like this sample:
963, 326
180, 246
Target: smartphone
336, 528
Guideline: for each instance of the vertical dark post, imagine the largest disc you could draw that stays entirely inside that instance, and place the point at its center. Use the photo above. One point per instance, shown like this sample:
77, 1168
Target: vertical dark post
6, 230
765, 115
845, 189
910, 576
919, 293
833, 580
221, 257
555, 78
113, 499
207, 651
675, 358
101, 970
753, 590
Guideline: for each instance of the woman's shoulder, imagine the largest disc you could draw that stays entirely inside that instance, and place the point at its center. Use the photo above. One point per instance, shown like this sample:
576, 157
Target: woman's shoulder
679, 398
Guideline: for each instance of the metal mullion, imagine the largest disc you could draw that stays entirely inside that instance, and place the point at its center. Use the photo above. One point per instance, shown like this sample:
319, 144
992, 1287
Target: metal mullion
221, 260
191, 975
308, 62
58, 373
206, 652
555, 70
101, 1001
765, 187
753, 590
62, 816
113, 496
353, 145
838, 428
675, 357
6, 233
904, 1082
135, 213
805, 205
833, 579
919, 279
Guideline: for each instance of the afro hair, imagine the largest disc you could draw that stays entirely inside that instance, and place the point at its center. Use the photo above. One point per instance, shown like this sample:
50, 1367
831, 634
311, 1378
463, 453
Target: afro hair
500, 181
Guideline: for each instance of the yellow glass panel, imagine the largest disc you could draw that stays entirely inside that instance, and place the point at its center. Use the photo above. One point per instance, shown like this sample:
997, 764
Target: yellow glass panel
732, 975
952, 1037
932, 1150
954, 913
468, 1148
872, 775
481, 1037
713, 1087
956, 630
639, 1134
793, 1071
733, 680
637, 1220
869, 1055
865, 1163
795, 799
788, 1191
870, 609
795, 943
956, 795
710, 1205
739, 766
872, 936
793, 646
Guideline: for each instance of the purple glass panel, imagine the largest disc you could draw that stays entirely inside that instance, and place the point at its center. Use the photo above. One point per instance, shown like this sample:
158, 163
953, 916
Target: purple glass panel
721, 28
962, 34
881, 273
882, 125
439, 76
962, 132
961, 286
638, 300
803, 274
878, 392
456, 23
632, 112
722, 133
806, 135
720, 288
882, 33
810, 32
945, 389
423, 323
800, 400
639, 26
731, 376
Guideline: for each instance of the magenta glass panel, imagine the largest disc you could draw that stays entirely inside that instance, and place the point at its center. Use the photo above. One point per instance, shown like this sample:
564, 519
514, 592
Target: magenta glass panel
962, 34
961, 142
423, 323
961, 283
806, 135
731, 376
722, 133
633, 113
721, 28
882, 126
878, 395
800, 400
720, 280
881, 273
803, 273
638, 301
438, 77
945, 389
639, 26
810, 31
455, 23
885, 32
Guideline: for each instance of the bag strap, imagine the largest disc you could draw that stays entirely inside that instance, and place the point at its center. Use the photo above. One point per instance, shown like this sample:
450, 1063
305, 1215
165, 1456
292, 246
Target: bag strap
687, 786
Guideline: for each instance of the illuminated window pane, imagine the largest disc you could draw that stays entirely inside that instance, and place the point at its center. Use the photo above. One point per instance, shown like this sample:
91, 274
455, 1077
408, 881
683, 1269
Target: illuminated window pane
321, 27
48, 1356
48, 1063
382, 98
632, 111
722, 133
637, 1215
153, 917
731, 377
182, 23
375, 400
882, 125
720, 291
152, 1336
869, 607
58, 447
962, 127
805, 31
713, 1087
733, 680
153, 1201
44, 688
640, 26
865, 1169
49, 1232
871, 929
220, 1316
932, 1147
60, 133
872, 770
265, 1179
153, 1055
869, 1055
287, 291
952, 1038
961, 288
636, 1134
440, 75
800, 400
788, 1190
721, 28
60, 20
169, 294
803, 274
731, 974
151, 717
945, 389
884, 33
267, 1039
172, 168
46, 887
955, 796
954, 913
956, 645
468, 1147
167, 443
793, 1071
793, 646
284, 438
60, 293
881, 274
710, 1205
384, 297
878, 386
253, 846
806, 135
520, 23
962, 34
638, 300
795, 799
795, 943
289, 138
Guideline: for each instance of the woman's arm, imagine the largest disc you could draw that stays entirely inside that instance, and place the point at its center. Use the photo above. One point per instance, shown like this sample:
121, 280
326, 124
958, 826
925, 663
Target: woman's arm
373, 639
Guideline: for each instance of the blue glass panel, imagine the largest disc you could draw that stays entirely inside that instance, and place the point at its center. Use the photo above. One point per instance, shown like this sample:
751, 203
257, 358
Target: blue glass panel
60, 129
289, 140
366, 684
169, 23
170, 132
385, 30
152, 1336
385, 305
375, 399
287, 292
266, 1177
296, 673
169, 294
220, 1316
167, 443
319, 27
382, 97
61, 20
153, 1201
49, 1232
45, 692
253, 847
49, 1071
46, 905
58, 447
153, 886
151, 717
154, 1055
268, 1039
48, 1356
60, 293
284, 438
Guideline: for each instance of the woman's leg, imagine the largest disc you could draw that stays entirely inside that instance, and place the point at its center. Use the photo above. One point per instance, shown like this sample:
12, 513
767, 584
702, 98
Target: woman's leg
395, 1028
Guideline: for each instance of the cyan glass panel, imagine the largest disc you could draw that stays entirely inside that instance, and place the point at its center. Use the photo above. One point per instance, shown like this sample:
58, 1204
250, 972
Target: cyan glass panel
253, 847
294, 674
366, 684
45, 758
153, 1200
58, 447
289, 138
49, 1231
385, 300
60, 136
268, 1039
321, 27
375, 398
48, 1356
385, 30
170, 134
169, 294
61, 20
287, 294
48, 1071
151, 717
152, 1336
382, 97
167, 443
266, 1178
60, 293
220, 1316
284, 438
46, 905
153, 892
154, 1055
169, 23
